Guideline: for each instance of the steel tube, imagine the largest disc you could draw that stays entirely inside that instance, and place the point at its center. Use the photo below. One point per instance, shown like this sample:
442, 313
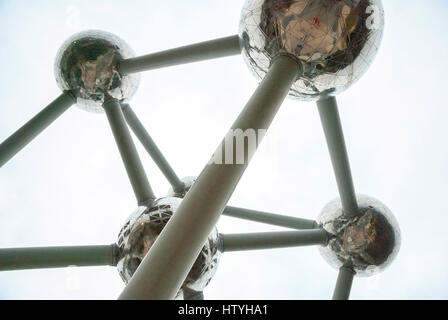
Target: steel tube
270, 218
16, 142
169, 260
151, 147
272, 240
129, 154
201, 51
344, 283
56, 257
331, 122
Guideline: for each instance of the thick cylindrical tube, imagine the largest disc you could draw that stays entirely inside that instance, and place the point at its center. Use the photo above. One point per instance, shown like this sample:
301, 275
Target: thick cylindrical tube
344, 283
165, 267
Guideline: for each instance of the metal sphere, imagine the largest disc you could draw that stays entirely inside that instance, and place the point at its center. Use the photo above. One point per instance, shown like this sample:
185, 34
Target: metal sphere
143, 228
188, 183
335, 41
368, 242
87, 64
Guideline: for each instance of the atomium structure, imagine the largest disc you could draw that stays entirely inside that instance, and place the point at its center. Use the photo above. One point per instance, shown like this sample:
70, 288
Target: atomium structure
169, 247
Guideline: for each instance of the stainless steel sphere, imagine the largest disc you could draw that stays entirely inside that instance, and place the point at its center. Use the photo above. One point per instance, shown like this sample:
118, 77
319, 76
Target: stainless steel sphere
335, 41
188, 182
142, 229
369, 241
87, 64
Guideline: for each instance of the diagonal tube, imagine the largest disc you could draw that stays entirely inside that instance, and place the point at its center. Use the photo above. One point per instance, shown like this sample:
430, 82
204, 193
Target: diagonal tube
331, 123
344, 283
213, 49
17, 141
151, 147
56, 257
134, 168
272, 240
165, 267
270, 218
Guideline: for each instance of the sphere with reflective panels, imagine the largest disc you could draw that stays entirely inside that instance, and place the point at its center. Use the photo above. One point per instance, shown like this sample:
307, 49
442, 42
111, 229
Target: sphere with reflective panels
143, 228
188, 182
368, 241
87, 64
335, 41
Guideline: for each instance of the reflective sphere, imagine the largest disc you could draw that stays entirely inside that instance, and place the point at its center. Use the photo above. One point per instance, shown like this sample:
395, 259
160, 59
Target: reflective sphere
188, 182
87, 64
369, 241
335, 41
141, 231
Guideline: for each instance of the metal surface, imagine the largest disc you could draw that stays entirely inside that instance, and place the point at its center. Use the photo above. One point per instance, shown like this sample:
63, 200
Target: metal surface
141, 231
131, 159
87, 65
344, 283
331, 123
183, 237
213, 49
335, 41
17, 141
187, 184
151, 147
56, 257
269, 218
193, 295
369, 242
272, 240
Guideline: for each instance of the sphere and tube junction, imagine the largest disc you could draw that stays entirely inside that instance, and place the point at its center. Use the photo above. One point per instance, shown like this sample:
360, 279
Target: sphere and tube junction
143, 228
335, 41
367, 242
87, 64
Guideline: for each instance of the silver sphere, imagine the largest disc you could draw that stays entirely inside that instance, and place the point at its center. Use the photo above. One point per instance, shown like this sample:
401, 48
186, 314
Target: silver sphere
188, 182
87, 64
335, 41
369, 242
143, 228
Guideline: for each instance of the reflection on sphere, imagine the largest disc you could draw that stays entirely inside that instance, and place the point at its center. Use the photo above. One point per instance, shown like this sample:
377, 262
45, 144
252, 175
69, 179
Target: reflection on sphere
87, 64
335, 41
368, 241
143, 228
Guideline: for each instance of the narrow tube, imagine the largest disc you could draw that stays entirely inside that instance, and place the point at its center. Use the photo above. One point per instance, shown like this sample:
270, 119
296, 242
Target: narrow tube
331, 123
56, 257
270, 218
22, 137
151, 147
185, 234
213, 49
272, 240
129, 154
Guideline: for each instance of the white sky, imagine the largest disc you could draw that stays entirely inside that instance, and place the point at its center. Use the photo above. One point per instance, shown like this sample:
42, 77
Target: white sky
69, 186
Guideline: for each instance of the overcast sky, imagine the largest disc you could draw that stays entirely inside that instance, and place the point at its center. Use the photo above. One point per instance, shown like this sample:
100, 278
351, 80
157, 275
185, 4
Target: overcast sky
69, 186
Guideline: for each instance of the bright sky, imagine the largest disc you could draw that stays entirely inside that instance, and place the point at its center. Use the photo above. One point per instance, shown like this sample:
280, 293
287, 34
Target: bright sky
69, 186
